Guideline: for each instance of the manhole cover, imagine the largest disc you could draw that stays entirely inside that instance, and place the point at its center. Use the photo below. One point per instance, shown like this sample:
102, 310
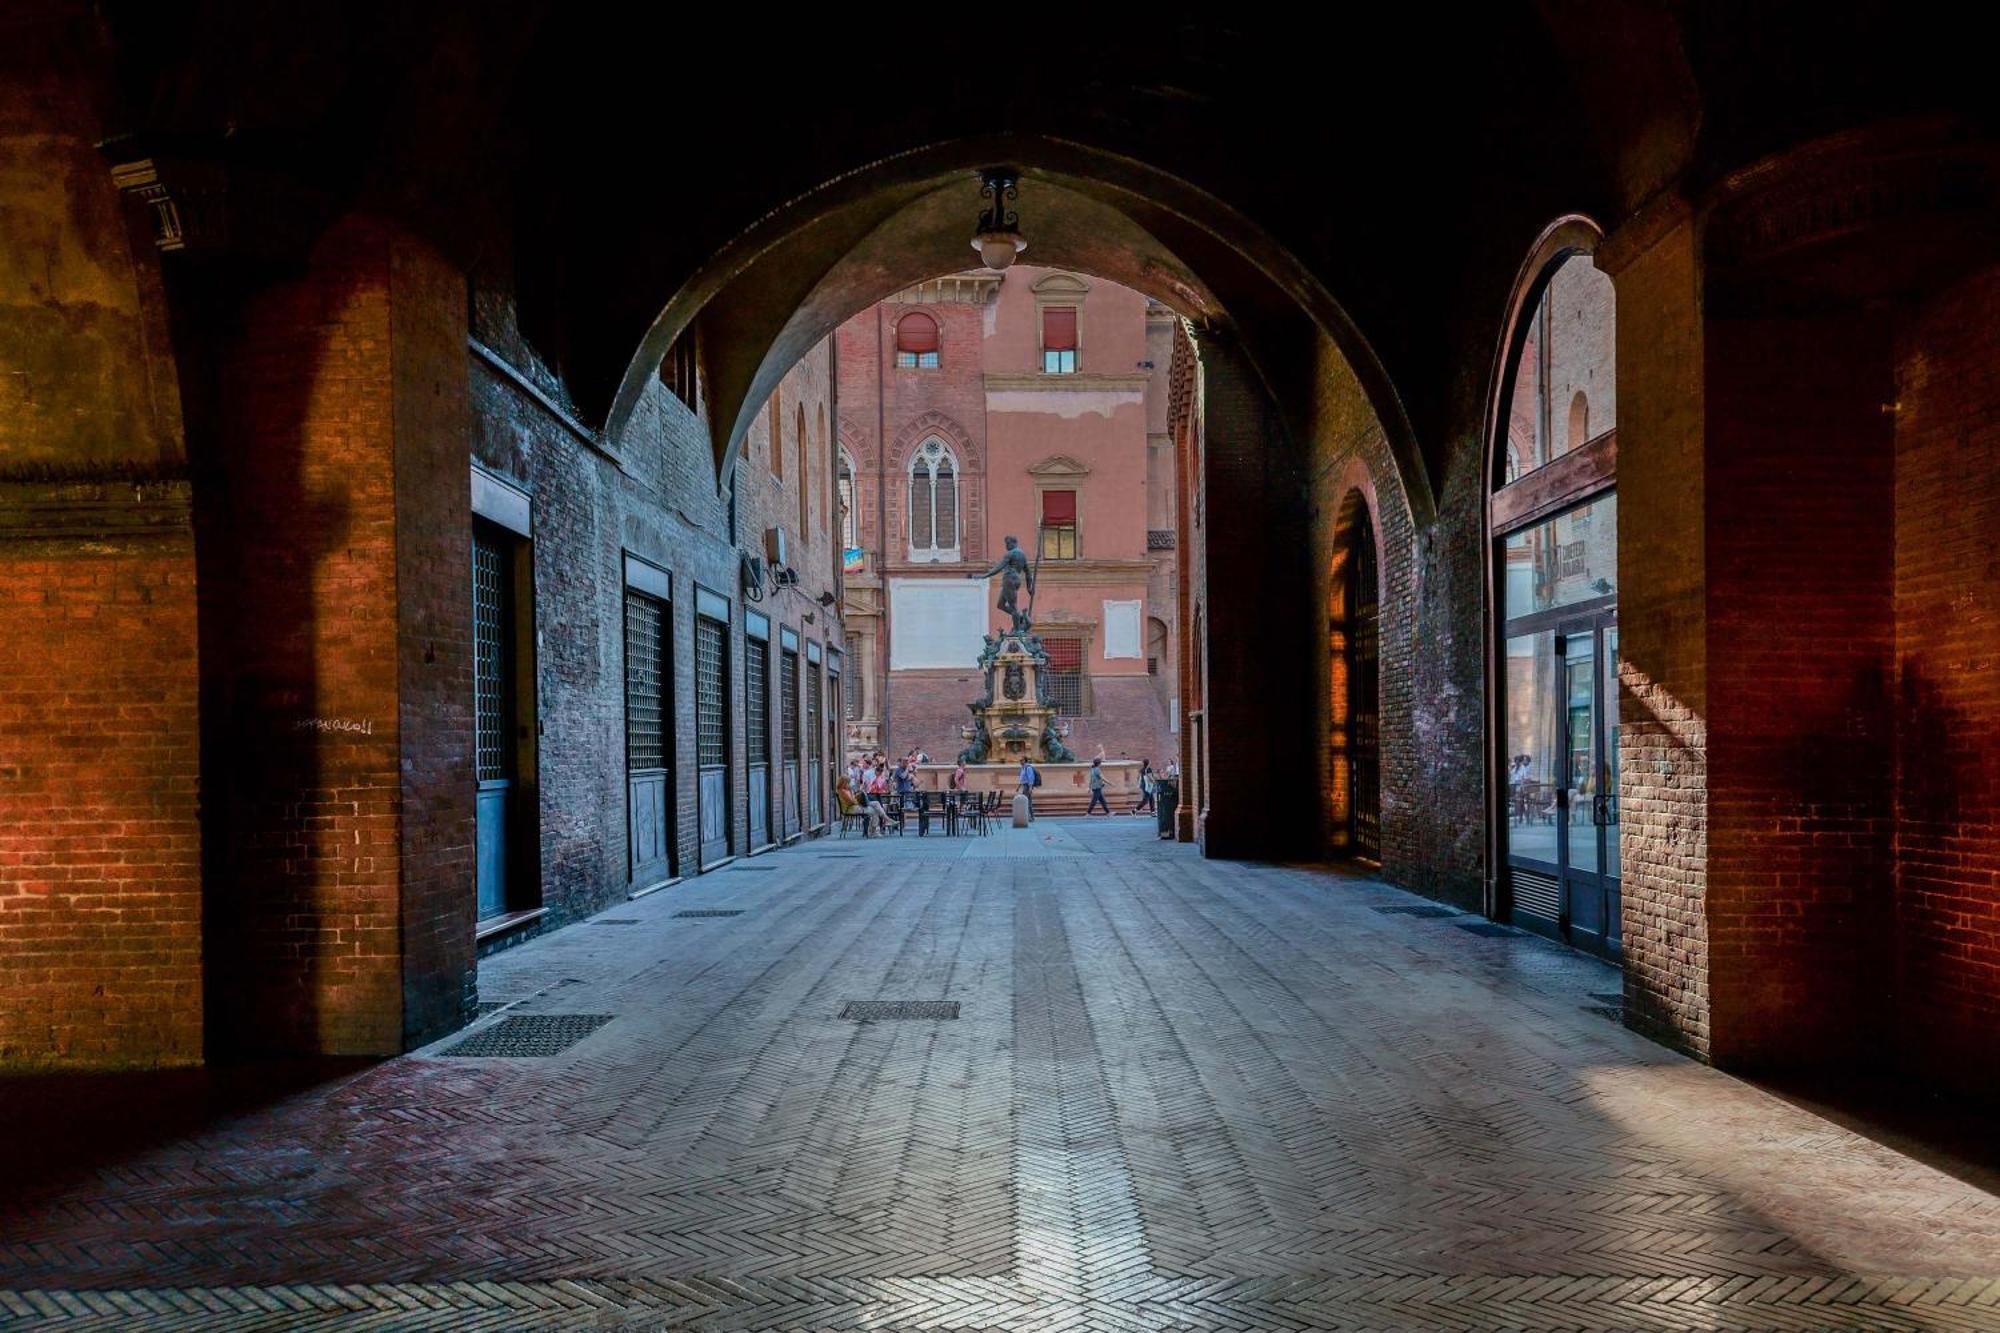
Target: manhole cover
525, 1036
869, 1011
1490, 929
710, 911
616, 921
1404, 909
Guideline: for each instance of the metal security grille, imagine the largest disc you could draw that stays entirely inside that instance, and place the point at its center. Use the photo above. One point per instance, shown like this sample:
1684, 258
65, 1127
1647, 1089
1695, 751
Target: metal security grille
526, 1036
1537, 895
853, 692
815, 743
489, 657
1064, 676
645, 683
1364, 755
757, 699
711, 709
788, 702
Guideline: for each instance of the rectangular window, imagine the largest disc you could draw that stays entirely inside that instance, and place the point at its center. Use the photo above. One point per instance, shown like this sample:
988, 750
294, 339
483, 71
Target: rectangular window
680, 372
645, 682
491, 677
853, 679
757, 699
917, 360
711, 702
815, 742
1058, 525
1064, 676
1570, 558
1059, 340
788, 704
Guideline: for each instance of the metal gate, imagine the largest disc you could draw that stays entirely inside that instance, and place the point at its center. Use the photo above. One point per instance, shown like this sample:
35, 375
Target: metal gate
711, 712
815, 749
757, 726
648, 748
1364, 753
493, 718
788, 719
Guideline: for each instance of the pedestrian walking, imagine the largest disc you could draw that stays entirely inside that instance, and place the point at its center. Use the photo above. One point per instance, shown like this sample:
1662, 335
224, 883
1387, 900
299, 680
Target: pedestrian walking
1097, 797
1147, 787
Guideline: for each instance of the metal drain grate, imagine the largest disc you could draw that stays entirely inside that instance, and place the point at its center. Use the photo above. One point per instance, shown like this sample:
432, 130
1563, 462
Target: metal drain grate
710, 911
840, 856
869, 1011
526, 1036
1404, 909
616, 921
740, 869
1492, 930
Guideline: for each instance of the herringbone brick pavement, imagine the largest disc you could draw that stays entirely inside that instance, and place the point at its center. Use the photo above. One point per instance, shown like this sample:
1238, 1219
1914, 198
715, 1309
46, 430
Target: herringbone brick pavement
1180, 1095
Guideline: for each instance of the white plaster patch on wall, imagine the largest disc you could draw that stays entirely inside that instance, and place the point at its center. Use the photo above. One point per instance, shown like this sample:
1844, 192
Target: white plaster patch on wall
938, 622
1065, 403
1121, 629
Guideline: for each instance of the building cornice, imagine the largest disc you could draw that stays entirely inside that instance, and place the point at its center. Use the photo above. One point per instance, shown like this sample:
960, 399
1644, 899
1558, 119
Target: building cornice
1034, 379
959, 289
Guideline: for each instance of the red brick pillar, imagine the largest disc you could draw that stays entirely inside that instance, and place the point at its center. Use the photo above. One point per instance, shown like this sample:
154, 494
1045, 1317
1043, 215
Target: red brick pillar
1257, 715
100, 862
1755, 506
1663, 628
343, 906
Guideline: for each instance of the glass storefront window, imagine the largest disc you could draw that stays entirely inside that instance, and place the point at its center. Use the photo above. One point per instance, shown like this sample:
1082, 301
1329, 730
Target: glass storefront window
1571, 558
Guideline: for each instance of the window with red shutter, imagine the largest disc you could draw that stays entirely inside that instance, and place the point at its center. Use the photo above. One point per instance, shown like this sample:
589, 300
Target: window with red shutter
917, 342
1059, 340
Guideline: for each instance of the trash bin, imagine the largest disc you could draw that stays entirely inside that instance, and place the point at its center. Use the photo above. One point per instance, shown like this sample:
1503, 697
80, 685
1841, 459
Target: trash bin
1167, 794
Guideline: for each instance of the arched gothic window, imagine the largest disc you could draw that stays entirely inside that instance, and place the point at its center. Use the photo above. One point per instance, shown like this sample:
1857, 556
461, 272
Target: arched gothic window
917, 342
850, 525
933, 502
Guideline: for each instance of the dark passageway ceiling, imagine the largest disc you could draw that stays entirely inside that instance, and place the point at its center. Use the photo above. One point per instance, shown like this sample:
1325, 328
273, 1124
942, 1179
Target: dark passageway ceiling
1402, 157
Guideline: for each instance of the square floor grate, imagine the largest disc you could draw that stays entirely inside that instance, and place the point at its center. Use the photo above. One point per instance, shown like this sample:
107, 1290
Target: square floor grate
526, 1036
710, 911
869, 1011
1492, 930
1407, 909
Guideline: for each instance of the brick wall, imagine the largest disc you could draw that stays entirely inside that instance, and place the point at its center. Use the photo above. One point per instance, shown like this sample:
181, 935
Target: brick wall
100, 874
1947, 647
1798, 517
653, 493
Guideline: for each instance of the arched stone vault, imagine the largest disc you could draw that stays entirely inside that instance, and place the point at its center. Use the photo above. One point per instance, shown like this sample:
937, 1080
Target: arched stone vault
792, 279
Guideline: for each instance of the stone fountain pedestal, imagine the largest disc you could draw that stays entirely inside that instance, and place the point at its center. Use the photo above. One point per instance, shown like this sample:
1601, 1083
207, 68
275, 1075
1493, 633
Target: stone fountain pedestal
1014, 721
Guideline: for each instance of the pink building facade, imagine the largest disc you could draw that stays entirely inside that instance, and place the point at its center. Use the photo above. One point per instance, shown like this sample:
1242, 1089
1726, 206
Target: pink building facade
1030, 404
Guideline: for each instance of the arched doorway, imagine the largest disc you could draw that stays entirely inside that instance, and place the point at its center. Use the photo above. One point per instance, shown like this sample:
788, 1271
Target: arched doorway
1554, 522
1353, 758
1362, 595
